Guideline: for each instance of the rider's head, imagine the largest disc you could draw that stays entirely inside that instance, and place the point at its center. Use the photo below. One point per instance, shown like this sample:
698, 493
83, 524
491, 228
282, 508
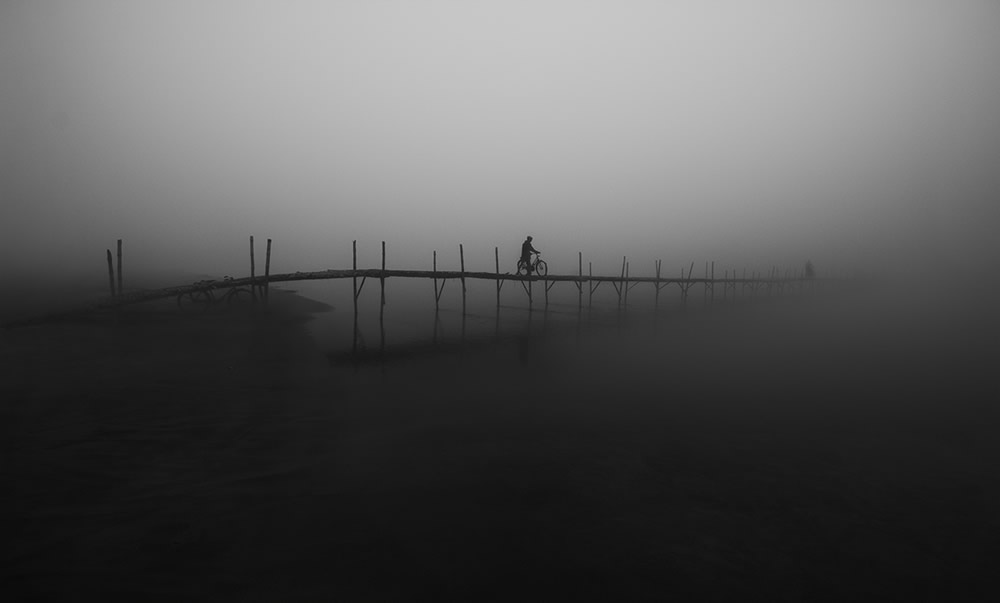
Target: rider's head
529, 237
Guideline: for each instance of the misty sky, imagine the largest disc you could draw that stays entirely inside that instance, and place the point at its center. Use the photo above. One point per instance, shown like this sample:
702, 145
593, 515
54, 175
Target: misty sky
752, 133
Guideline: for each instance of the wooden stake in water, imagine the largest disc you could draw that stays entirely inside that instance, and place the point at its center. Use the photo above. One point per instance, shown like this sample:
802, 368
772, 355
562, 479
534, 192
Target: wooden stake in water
381, 308
625, 286
267, 272
354, 251
579, 283
620, 283
437, 296
656, 300
111, 274
119, 266
590, 286
461, 255
496, 255
704, 295
253, 284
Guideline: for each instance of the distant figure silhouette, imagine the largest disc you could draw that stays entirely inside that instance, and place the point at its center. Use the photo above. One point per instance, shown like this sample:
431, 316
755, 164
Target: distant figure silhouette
526, 251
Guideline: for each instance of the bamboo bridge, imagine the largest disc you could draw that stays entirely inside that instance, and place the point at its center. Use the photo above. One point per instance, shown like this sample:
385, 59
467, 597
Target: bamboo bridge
256, 286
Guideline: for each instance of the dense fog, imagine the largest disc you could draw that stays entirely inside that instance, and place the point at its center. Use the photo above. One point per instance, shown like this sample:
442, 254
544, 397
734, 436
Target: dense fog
862, 136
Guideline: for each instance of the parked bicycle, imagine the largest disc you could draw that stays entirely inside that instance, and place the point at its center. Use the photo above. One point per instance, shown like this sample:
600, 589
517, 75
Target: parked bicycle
537, 266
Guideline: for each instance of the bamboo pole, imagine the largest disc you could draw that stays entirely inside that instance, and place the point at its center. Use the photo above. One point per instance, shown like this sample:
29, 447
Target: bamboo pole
253, 284
704, 293
437, 296
579, 283
621, 282
120, 267
656, 300
545, 283
625, 285
354, 249
461, 257
267, 273
111, 274
381, 307
590, 286
496, 255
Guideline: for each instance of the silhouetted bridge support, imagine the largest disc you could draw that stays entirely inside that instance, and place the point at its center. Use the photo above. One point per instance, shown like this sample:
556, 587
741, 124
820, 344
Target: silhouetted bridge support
227, 289
623, 283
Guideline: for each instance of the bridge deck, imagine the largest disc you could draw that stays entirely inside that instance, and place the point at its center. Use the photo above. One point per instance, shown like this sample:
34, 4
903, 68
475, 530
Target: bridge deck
134, 297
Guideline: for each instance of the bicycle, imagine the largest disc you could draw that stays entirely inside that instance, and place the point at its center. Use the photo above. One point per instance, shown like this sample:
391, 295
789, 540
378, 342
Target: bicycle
537, 266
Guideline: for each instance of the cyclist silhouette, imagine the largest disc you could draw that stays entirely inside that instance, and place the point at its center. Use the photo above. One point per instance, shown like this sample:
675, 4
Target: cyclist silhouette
526, 251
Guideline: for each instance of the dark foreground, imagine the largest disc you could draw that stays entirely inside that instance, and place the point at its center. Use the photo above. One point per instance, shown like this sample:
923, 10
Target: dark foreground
829, 450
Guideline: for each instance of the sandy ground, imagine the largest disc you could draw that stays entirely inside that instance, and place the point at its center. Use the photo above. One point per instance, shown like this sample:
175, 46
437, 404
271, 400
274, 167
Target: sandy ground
159, 455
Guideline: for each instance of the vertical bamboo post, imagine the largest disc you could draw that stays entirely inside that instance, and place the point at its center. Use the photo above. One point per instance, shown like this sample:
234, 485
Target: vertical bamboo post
496, 255
382, 282
461, 257
704, 292
435, 280
119, 266
579, 284
267, 272
253, 283
684, 287
545, 283
621, 282
656, 300
625, 286
381, 307
354, 250
590, 274
712, 300
111, 274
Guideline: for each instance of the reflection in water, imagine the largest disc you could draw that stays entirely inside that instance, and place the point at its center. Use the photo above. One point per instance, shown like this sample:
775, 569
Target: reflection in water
517, 328
521, 328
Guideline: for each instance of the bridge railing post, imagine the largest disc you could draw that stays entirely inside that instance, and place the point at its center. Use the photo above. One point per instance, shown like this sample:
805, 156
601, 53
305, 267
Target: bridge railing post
461, 257
253, 283
267, 273
119, 266
111, 274
496, 255
354, 276
656, 299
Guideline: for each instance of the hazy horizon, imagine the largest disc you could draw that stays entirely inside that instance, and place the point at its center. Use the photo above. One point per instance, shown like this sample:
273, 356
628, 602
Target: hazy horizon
858, 135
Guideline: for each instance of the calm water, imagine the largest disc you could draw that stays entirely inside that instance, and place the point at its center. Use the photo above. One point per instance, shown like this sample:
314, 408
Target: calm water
834, 348
829, 447
812, 447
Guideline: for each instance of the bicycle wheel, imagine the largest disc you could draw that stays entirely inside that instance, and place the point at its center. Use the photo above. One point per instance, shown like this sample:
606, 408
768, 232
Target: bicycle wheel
541, 268
522, 267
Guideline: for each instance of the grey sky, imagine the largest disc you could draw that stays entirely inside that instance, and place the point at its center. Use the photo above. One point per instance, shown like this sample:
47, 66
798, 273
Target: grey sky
752, 133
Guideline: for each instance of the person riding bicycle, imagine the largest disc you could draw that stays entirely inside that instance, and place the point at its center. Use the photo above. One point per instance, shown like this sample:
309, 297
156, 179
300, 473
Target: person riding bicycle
526, 251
